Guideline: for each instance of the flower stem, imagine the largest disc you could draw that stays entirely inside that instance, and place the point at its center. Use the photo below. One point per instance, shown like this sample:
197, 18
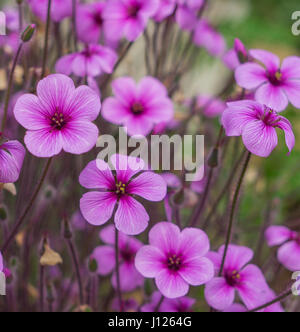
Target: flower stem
233, 209
119, 293
278, 299
157, 308
28, 208
74, 23
42, 276
9, 87
46, 41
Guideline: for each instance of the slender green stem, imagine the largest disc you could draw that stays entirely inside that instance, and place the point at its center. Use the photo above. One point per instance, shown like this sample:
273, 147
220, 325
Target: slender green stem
119, 293
74, 23
9, 87
27, 209
233, 209
46, 41
277, 299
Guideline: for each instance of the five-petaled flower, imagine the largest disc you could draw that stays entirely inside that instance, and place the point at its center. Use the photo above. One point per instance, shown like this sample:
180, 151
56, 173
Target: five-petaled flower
138, 108
257, 125
12, 155
289, 242
237, 275
130, 278
175, 259
59, 117
118, 189
275, 85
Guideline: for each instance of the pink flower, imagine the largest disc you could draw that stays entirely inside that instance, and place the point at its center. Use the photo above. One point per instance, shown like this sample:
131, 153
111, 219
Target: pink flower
257, 125
206, 36
211, 107
275, 85
91, 25
236, 56
93, 61
12, 155
175, 259
1, 262
128, 17
60, 9
193, 4
166, 8
238, 275
289, 242
130, 278
59, 117
138, 107
181, 304
186, 18
98, 206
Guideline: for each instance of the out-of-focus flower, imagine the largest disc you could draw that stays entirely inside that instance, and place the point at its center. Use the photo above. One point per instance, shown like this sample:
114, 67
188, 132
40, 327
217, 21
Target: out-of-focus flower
257, 125
206, 36
289, 242
186, 18
130, 278
181, 304
91, 26
12, 19
138, 107
164, 10
211, 107
237, 275
193, 4
128, 18
12, 155
175, 259
59, 117
97, 207
93, 61
275, 85
60, 9
236, 56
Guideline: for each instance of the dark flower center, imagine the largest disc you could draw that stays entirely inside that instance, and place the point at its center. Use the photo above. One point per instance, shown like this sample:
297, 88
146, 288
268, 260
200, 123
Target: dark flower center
137, 108
174, 262
98, 19
270, 117
233, 278
133, 10
275, 78
58, 121
120, 188
127, 255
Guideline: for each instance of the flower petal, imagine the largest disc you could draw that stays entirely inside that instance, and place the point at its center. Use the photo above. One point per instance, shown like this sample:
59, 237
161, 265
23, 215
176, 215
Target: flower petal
260, 139
125, 89
272, 96
219, 294
292, 90
171, 285
131, 217
237, 257
250, 75
148, 185
288, 255
97, 207
64, 64
276, 235
286, 126
270, 60
114, 111
193, 243
79, 136
197, 271
130, 278
105, 257
290, 67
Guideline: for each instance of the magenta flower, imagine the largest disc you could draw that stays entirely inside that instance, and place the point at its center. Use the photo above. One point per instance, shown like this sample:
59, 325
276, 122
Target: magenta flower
165, 9
59, 117
91, 27
60, 9
140, 107
175, 259
93, 61
186, 18
275, 85
206, 36
130, 278
12, 155
289, 242
211, 107
1, 262
128, 18
193, 4
236, 56
181, 304
98, 206
257, 125
238, 275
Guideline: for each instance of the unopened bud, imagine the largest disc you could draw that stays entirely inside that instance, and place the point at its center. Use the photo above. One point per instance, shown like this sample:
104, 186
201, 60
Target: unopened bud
93, 266
213, 160
28, 33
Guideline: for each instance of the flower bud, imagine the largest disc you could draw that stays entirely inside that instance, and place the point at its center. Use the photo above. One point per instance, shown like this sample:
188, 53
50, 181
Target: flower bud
93, 266
28, 33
